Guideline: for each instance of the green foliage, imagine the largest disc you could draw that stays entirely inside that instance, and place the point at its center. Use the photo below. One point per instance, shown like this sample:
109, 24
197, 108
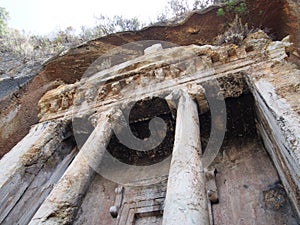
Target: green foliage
39, 47
88, 33
176, 8
233, 6
241, 8
107, 25
220, 12
4, 16
64, 38
26, 46
230, 5
201, 4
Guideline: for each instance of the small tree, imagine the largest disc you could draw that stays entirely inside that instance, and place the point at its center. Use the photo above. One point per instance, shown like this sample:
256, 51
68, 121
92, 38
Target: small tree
233, 6
176, 8
108, 25
4, 16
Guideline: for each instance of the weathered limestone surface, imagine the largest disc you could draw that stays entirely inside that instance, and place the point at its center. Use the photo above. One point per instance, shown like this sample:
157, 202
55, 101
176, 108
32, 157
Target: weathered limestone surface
62, 204
186, 200
248, 187
95, 205
292, 13
275, 88
281, 136
17, 114
259, 66
199, 27
38, 161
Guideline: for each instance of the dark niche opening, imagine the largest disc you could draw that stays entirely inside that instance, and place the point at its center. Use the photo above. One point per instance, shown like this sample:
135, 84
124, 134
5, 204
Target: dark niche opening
140, 116
240, 120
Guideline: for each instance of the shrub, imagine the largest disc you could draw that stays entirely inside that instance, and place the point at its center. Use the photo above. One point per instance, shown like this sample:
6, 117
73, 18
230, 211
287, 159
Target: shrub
235, 34
233, 6
3, 21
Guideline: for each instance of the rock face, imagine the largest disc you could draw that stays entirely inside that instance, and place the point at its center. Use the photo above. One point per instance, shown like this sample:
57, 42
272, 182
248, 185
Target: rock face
135, 115
291, 9
259, 66
280, 17
16, 75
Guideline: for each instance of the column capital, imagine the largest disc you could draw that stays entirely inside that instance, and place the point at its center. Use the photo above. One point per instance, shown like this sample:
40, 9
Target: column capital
194, 91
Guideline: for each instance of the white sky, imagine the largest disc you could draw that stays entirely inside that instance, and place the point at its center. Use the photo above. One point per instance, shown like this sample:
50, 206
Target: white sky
43, 17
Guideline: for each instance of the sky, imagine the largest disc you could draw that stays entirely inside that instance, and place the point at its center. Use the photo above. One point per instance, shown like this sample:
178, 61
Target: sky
46, 16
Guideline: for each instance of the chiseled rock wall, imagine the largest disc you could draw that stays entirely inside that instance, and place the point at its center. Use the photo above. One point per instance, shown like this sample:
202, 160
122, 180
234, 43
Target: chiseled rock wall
292, 18
35, 163
259, 66
280, 17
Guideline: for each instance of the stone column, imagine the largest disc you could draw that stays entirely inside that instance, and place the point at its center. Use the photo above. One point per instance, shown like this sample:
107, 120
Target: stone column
61, 205
186, 200
21, 166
